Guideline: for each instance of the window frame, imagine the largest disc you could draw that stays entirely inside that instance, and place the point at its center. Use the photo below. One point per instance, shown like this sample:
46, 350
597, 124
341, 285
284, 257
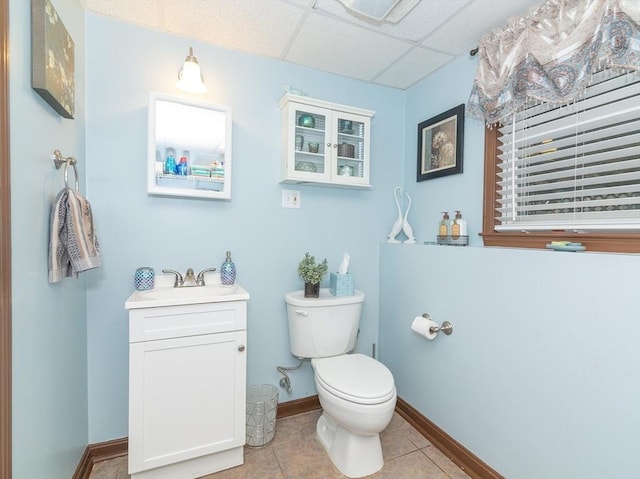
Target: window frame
593, 241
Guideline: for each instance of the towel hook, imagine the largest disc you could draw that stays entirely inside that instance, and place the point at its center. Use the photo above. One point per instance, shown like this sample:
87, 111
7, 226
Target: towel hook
58, 161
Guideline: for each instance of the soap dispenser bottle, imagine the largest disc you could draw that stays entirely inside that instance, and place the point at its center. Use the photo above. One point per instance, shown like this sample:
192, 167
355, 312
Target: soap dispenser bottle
459, 226
443, 229
228, 271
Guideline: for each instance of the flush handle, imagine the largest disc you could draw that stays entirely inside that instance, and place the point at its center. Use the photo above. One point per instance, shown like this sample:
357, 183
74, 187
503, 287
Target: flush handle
301, 312
241, 348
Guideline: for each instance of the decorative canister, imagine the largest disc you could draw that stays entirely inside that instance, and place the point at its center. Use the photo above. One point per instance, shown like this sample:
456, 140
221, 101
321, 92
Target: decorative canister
144, 278
346, 150
346, 170
228, 271
306, 120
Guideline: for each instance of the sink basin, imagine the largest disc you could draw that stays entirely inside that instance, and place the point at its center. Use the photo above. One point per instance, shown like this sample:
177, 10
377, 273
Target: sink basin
169, 296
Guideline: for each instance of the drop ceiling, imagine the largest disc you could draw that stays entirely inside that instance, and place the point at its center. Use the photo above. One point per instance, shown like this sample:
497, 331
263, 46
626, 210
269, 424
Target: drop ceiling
321, 34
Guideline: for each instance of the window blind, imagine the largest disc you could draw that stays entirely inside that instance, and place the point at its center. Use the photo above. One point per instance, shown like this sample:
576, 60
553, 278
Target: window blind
574, 167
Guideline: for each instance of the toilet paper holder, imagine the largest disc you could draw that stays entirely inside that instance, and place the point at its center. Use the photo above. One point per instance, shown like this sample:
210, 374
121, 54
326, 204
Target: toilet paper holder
446, 327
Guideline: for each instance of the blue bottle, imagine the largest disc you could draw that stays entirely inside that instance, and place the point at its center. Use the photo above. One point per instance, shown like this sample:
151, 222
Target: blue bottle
170, 165
228, 271
182, 168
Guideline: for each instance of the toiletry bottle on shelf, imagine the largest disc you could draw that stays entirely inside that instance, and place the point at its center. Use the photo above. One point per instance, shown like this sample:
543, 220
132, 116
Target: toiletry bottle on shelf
455, 226
443, 229
461, 225
228, 271
170, 165
182, 167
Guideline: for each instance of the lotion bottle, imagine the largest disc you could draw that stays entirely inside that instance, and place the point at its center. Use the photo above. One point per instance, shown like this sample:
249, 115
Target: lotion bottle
455, 226
462, 224
443, 229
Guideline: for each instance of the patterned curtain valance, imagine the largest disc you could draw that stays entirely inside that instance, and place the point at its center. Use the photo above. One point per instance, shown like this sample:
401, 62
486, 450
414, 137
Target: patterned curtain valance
549, 55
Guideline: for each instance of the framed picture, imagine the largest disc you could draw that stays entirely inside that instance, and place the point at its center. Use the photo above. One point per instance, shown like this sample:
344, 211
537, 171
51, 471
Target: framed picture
440, 144
52, 59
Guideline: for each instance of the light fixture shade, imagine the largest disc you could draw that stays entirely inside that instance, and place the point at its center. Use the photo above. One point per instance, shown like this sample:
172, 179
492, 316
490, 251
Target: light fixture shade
190, 77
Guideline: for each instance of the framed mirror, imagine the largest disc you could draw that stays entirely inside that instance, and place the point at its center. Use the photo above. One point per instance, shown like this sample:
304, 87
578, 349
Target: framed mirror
189, 151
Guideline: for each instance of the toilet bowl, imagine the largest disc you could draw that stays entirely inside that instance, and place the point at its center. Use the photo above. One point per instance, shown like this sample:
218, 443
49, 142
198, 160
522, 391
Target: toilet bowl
356, 392
358, 398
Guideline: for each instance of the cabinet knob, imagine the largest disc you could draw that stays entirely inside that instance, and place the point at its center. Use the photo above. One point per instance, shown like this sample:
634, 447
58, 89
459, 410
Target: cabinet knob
335, 145
329, 144
241, 348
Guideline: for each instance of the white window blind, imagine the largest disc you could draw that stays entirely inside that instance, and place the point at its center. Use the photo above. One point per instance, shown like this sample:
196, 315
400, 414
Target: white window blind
575, 167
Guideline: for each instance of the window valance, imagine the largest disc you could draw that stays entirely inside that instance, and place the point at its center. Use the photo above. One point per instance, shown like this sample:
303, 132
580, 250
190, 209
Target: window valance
549, 55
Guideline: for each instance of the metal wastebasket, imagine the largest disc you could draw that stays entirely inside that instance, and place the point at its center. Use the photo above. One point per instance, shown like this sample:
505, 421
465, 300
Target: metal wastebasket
262, 408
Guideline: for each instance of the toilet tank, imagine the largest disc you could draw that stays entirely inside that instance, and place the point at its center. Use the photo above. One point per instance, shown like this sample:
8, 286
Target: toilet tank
324, 326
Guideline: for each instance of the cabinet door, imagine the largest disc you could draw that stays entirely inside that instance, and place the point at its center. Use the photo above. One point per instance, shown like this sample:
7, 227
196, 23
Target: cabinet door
350, 144
186, 398
308, 142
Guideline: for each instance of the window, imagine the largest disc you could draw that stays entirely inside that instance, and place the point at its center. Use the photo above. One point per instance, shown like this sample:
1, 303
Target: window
569, 172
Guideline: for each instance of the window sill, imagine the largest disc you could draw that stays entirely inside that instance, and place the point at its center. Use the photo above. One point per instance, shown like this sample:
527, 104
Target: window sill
612, 243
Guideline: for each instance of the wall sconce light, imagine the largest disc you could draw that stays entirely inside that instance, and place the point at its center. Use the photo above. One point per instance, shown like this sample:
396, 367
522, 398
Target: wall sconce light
190, 77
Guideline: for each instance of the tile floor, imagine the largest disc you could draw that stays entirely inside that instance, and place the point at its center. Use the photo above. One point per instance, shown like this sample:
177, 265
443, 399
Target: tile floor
295, 453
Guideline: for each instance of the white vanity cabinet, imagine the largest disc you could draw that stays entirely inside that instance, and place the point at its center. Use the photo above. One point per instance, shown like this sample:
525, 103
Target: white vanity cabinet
187, 383
341, 134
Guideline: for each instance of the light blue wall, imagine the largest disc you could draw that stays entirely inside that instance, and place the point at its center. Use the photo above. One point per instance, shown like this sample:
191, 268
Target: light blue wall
49, 364
441, 91
539, 378
124, 63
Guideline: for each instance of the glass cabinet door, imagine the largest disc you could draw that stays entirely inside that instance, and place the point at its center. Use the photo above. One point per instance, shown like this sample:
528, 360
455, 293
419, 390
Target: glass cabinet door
310, 143
351, 149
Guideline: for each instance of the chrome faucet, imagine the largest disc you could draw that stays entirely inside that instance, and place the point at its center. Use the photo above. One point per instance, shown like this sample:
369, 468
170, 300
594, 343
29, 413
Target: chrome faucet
200, 279
189, 279
179, 279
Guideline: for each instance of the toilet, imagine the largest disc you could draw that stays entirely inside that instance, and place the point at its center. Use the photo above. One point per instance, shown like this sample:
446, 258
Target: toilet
356, 392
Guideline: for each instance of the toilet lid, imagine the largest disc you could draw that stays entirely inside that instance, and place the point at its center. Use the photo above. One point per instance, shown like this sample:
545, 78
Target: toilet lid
355, 377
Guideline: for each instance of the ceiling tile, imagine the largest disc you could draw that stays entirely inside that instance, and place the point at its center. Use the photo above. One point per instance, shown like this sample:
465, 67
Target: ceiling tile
411, 68
140, 13
463, 31
335, 46
237, 25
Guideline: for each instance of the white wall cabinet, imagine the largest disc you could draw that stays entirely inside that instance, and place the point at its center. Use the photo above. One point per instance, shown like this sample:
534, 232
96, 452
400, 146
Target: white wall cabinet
325, 143
187, 387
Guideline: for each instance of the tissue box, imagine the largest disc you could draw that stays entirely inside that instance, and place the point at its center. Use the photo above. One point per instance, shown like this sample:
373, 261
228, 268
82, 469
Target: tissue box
341, 284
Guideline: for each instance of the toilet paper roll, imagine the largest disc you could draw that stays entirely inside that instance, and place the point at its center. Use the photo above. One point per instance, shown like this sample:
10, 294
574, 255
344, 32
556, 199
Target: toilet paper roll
421, 326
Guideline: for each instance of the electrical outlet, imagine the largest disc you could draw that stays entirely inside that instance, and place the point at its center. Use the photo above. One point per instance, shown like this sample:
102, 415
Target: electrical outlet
290, 199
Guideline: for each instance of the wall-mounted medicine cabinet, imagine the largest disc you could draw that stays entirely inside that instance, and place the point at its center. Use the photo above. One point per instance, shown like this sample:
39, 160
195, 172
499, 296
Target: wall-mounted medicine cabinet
189, 148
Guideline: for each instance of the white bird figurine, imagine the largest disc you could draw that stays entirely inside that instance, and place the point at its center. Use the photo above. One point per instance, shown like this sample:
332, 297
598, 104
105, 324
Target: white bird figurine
397, 226
406, 227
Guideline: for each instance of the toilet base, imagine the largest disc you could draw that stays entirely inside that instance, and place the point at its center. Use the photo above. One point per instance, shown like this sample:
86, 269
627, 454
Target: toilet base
353, 454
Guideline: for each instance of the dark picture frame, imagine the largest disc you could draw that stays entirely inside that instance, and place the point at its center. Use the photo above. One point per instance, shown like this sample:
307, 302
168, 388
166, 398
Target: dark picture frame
440, 144
52, 59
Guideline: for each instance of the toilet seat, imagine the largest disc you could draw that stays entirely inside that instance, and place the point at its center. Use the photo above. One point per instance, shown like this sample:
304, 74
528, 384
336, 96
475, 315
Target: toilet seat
356, 378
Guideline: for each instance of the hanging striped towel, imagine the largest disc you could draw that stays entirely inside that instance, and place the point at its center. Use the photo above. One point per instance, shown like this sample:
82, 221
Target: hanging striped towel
73, 244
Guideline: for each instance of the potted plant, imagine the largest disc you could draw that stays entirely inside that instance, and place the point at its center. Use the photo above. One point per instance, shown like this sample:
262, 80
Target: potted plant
312, 273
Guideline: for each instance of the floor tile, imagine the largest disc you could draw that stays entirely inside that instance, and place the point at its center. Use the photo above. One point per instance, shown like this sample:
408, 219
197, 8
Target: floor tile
400, 438
410, 466
446, 464
305, 459
260, 463
295, 453
111, 469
